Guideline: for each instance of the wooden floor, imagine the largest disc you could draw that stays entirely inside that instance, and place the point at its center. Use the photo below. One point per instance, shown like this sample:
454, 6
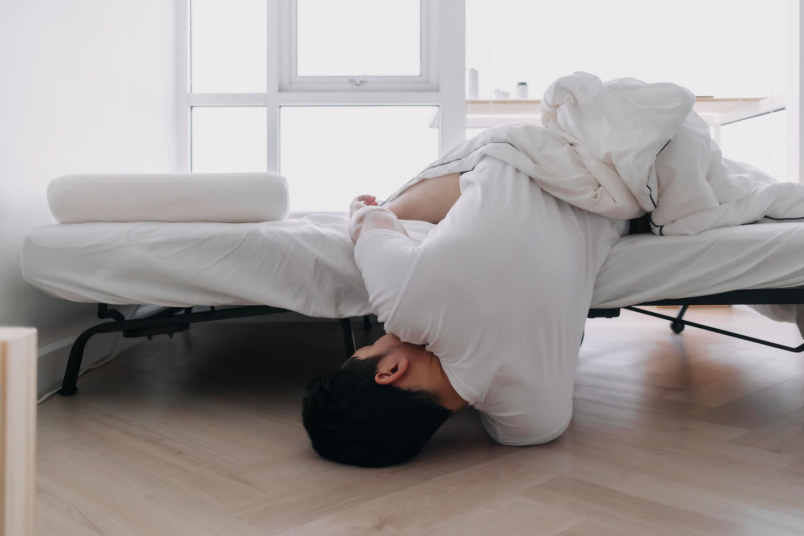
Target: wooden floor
201, 435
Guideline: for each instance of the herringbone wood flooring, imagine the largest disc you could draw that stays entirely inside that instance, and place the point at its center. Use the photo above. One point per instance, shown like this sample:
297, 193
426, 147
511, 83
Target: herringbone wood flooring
201, 435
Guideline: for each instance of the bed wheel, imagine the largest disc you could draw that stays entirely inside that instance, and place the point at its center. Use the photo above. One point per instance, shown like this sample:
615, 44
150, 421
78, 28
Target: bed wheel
677, 325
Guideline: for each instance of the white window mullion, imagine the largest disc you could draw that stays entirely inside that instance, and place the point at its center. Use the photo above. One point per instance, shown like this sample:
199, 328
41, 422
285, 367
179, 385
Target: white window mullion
343, 98
226, 99
275, 59
182, 81
272, 124
796, 124
283, 36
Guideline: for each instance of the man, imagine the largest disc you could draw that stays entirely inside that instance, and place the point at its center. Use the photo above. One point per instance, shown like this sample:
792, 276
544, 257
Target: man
488, 311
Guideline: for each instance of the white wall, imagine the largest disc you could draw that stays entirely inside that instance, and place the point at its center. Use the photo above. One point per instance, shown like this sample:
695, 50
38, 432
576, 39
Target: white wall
797, 87
85, 86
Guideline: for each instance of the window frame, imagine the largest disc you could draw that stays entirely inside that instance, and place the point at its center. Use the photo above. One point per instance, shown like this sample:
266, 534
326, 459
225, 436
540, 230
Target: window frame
427, 80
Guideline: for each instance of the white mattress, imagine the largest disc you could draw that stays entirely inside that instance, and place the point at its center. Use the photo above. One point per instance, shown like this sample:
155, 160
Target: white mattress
647, 267
306, 264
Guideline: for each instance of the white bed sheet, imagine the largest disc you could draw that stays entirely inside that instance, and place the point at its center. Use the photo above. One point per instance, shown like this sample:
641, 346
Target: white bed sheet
647, 267
306, 264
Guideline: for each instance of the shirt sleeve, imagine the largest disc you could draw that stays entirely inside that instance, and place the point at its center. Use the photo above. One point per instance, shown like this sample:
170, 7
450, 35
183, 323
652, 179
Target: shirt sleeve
385, 259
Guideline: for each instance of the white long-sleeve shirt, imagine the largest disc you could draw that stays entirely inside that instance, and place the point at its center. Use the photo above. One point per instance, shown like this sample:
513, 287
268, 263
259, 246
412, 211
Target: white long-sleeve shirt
499, 291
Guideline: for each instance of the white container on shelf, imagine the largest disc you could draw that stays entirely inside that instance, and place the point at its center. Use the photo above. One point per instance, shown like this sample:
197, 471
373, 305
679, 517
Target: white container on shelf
522, 90
471, 84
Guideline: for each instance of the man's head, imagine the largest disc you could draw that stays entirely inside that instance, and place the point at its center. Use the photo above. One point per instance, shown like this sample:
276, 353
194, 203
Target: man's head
380, 407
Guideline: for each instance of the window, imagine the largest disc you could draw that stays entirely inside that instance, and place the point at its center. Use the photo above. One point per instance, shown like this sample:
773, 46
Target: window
228, 46
342, 97
735, 55
359, 45
336, 152
357, 38
761, 141
265, 65
228, 138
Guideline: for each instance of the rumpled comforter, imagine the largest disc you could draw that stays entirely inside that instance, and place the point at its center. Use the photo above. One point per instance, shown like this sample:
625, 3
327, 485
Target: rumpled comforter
625, 148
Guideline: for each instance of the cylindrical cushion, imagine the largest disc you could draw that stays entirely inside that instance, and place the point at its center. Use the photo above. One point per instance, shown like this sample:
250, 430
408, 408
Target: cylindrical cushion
169, 197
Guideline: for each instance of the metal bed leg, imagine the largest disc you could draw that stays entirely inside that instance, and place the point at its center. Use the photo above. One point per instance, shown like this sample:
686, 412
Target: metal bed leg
68, 384
348, 336
677, 325
781, 296
796, 349
167, 322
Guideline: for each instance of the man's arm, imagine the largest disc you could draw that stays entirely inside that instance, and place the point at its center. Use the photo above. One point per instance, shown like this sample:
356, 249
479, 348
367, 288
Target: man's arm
384, 259
428, 200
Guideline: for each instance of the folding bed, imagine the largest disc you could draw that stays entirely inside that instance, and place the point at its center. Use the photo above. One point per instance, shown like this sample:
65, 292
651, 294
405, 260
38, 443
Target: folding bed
304, 263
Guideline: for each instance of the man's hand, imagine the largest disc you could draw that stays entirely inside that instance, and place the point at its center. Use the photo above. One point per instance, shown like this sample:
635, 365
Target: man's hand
367, 215
360, 202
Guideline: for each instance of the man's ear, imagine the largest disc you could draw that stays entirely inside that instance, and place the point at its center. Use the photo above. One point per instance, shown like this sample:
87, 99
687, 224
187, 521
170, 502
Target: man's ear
391, 368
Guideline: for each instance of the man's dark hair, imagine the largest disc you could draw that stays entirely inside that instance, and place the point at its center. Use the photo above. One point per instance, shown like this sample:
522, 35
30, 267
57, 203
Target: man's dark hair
351, 419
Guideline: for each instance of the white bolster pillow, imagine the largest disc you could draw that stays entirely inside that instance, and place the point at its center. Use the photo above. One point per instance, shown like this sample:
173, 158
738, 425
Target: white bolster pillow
169, 197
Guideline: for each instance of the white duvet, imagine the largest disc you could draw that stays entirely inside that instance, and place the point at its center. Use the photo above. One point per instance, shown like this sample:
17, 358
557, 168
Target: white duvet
625, 148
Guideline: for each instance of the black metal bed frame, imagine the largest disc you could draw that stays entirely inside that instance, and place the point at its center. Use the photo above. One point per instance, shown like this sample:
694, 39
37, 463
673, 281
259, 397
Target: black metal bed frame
784, 296
176, 319
167, 322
